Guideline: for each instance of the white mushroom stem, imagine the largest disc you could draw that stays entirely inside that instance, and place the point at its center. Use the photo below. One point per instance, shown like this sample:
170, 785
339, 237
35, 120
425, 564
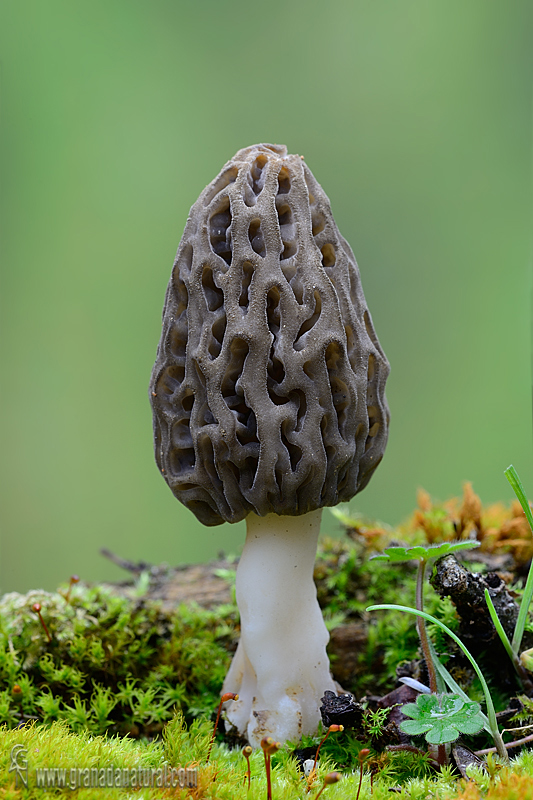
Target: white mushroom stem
280, 670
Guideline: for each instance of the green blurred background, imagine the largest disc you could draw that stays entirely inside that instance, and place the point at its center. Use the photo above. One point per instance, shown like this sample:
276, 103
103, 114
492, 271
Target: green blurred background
416, 118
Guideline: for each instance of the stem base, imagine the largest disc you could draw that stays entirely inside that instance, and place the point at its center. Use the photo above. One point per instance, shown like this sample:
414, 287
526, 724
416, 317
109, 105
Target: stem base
280, 670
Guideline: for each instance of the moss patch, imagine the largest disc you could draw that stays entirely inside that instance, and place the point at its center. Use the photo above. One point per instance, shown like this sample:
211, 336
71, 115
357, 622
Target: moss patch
124, 678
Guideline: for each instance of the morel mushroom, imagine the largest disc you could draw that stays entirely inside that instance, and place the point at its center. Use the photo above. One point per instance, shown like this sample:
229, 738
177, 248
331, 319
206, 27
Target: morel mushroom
268, 401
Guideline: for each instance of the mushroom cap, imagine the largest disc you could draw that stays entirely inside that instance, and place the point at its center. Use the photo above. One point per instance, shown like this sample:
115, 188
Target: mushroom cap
268, 387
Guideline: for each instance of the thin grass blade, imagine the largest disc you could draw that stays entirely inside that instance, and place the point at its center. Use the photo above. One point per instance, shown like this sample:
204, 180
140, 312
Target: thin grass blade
512, 476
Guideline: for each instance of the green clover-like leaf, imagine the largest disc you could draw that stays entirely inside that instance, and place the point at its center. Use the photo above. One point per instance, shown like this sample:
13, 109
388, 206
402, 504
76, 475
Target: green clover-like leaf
415, 728
397, 554
442, 718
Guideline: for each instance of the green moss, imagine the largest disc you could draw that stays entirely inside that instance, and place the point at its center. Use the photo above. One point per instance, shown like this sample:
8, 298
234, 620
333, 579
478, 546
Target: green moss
56, 746
114, 664
121, 665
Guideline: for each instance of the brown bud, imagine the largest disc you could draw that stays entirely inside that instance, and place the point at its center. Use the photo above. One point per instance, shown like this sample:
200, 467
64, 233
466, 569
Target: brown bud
267, 742
228, 696
16, 691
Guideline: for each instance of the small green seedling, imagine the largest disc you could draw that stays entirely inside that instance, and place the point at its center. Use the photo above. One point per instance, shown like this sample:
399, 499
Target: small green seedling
375, 721
442, 718
490, 722
397, 554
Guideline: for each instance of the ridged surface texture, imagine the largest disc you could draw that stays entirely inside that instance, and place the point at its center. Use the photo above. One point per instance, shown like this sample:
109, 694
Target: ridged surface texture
268, 387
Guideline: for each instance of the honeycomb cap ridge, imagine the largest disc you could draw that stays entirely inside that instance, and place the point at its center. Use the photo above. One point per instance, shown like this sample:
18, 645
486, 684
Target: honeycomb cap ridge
268, 387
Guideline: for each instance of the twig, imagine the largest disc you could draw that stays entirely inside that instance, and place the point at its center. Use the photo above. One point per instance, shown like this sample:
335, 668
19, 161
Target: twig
123, 563
508, 745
